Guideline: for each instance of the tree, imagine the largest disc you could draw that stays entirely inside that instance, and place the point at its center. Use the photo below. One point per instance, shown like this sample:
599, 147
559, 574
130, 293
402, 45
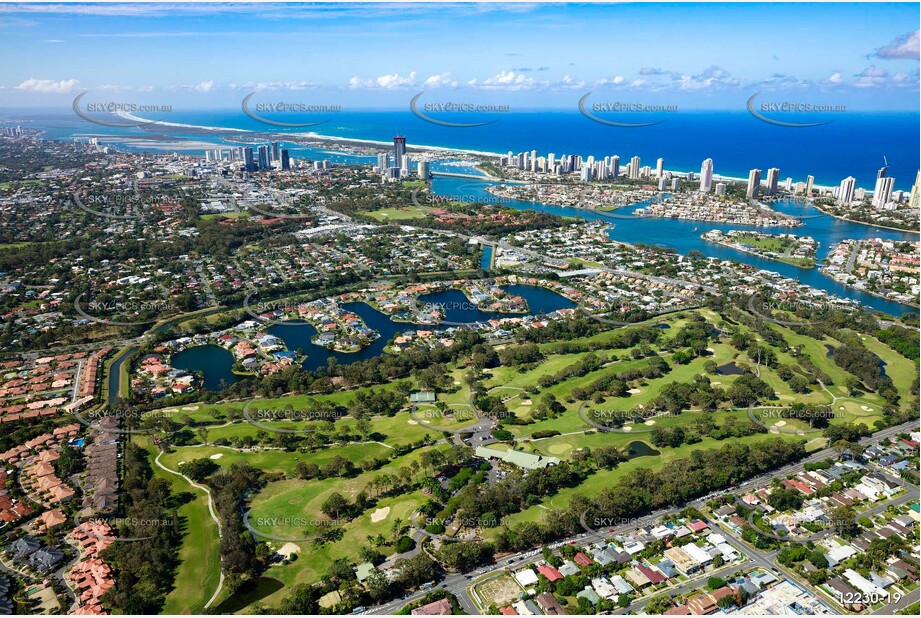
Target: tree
340, 570
335, 505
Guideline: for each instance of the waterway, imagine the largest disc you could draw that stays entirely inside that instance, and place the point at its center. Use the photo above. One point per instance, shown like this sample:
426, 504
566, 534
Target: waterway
684, 236
215, 362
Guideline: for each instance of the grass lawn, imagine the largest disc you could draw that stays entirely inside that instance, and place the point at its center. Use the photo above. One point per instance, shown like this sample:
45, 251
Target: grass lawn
199, 568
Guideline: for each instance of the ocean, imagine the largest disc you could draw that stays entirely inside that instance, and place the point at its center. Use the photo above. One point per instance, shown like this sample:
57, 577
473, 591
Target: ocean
852, 144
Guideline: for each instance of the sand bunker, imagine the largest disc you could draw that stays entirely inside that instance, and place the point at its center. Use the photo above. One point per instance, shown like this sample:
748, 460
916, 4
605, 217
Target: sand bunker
380, 514
650, 422
411, 422
866, 408
627, 428
217, 455
190, 408
635, 391
287, 549
780, 423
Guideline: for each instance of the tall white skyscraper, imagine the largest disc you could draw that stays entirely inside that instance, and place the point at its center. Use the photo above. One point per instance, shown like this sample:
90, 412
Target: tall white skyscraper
660, 167
634, 168
772, 176
846, 190
706, 176
754, 184
809, 181
882, 192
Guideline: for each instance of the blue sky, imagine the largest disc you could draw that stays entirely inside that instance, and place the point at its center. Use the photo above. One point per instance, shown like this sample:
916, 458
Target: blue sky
701, 55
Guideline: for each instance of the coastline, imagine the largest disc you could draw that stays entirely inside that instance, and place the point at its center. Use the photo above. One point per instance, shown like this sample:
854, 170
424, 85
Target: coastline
409, 147
885, 227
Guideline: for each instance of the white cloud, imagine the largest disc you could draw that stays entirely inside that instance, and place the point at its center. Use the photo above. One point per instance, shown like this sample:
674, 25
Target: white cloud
445, 80
570, 82
52, 41
48, 86
389, 82
835, 78
506, 80
906, 46
205, 86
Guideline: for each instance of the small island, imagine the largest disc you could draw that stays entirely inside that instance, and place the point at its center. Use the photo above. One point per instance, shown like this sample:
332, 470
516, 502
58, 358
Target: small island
799, 251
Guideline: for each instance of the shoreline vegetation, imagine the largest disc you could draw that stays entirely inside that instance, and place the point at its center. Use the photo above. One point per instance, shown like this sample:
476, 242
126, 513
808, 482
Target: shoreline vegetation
767, 246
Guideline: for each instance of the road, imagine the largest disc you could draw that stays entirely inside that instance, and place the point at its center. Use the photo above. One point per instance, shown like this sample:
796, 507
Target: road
457, 584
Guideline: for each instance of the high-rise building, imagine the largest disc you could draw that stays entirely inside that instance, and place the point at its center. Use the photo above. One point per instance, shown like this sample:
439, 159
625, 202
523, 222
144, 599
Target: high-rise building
675, 184
263, 153
634, 168
662, 182
847, 190
422, 170
406, 164
615, 166
809, 182
881, 173
248, 162
754, 184
706, 175
772, 175
882, 192
721, 189
399, 149
383, 162
276, 156
285, 159
660, 167
915, 197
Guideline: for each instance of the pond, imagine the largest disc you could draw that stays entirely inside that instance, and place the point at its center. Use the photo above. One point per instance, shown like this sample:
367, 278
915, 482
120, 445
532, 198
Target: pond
216, 363
729, 369
638, 448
